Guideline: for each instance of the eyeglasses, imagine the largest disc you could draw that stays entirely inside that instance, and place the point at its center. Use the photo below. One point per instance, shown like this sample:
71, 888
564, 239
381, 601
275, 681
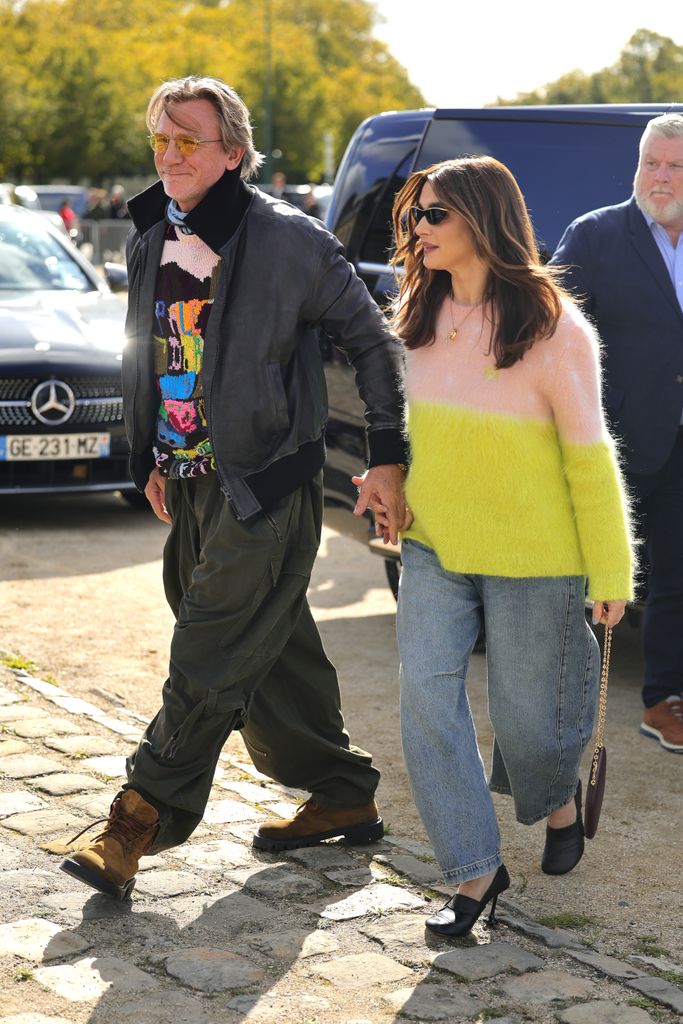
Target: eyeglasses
432, 214
185, 144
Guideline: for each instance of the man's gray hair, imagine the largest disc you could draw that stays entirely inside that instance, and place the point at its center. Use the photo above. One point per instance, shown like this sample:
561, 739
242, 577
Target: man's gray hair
233, 116
668, 125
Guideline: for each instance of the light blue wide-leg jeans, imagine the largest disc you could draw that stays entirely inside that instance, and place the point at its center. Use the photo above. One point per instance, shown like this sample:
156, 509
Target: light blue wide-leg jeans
543, 674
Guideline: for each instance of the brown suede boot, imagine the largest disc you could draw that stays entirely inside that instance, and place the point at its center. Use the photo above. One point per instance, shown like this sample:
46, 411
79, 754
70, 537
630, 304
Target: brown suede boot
313, 823
110, 862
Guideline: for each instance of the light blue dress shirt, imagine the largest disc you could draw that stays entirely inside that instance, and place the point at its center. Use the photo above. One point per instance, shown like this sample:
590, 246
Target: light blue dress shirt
673, 255
673, 258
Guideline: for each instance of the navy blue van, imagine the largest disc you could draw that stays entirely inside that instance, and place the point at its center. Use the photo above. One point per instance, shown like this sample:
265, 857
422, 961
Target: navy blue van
567, 160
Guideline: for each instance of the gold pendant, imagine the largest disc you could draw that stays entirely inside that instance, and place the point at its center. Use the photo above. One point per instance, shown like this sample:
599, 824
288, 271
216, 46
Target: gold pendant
453, 335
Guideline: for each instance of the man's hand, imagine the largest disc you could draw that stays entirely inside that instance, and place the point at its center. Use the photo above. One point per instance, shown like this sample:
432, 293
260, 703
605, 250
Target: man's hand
609, 613
383, 486
154, 492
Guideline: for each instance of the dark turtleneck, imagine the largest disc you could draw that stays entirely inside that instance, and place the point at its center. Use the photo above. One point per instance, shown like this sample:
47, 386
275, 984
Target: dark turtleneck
215, 219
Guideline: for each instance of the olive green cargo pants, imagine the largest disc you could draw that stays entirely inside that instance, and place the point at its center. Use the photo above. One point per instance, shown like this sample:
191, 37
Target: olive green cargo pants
246, 654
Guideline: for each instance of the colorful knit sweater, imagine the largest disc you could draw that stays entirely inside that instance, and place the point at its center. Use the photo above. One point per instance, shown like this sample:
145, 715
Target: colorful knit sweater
513, 472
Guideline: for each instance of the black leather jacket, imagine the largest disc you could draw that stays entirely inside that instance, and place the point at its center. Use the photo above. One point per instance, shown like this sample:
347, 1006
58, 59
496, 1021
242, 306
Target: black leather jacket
283, 276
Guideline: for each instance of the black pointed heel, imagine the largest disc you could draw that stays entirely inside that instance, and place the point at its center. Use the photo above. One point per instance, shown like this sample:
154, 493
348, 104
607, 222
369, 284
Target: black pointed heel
564, 846
461, 912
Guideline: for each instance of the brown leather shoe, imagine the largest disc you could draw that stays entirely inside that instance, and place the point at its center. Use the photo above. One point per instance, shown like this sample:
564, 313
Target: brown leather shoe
313, 823
110, 862
664, 722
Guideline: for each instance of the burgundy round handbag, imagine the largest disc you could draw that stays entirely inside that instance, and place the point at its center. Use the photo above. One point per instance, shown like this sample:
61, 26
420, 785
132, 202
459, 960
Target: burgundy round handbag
596, 784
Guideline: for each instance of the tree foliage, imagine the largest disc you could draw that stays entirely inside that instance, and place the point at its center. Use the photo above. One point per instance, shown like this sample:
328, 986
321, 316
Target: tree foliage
649, 70
77, 75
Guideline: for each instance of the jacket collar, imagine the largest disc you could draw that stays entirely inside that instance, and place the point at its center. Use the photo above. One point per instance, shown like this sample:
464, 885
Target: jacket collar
215, 219
648, 252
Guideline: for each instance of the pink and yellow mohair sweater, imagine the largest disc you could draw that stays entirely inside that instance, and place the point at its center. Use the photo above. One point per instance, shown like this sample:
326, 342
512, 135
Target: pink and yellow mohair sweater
513, 472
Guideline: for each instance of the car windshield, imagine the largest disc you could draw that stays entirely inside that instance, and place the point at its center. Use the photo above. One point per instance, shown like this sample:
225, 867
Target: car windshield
31, 259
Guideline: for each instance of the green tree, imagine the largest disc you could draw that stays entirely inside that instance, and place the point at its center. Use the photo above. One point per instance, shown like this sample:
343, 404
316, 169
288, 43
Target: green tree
649, 70
77, 75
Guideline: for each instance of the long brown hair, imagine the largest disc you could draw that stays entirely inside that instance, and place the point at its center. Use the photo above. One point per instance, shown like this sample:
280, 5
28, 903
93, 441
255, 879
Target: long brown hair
523, 297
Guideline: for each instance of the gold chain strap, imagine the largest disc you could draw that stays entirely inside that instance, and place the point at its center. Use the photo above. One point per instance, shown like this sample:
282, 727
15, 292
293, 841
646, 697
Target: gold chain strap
602, 710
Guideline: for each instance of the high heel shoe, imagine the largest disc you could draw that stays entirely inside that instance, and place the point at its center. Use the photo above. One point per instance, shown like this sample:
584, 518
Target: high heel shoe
458, 915
564, 846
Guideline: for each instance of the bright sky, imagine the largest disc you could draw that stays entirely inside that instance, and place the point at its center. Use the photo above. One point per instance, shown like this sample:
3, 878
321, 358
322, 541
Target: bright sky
469, 53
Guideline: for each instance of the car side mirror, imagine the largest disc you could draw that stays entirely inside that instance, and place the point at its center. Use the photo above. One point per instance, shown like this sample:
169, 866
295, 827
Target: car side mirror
116, 276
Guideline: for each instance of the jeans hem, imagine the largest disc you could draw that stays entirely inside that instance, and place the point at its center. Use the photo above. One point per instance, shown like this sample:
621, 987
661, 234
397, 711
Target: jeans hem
555, 806
474, 870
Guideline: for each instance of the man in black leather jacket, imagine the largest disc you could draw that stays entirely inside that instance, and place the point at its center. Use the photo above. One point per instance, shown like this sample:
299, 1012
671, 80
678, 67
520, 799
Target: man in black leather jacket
225, 407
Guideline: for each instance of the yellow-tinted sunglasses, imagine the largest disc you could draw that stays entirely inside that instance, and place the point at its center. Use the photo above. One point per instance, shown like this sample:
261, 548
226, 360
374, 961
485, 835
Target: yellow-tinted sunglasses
185, 144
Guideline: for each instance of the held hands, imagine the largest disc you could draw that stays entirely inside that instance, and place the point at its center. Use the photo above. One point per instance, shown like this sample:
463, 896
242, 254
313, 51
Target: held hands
154, 492
381, 490
609, 613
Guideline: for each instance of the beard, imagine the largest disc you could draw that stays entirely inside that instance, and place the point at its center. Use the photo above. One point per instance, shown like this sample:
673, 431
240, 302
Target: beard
666, 214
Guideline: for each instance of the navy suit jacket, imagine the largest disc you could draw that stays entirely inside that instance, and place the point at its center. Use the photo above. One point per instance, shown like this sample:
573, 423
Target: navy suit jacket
613, 261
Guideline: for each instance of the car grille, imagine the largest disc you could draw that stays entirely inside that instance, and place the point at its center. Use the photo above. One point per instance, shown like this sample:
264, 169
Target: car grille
98, 400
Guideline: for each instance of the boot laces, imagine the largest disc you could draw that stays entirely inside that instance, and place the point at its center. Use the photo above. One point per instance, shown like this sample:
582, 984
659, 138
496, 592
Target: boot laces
122, 827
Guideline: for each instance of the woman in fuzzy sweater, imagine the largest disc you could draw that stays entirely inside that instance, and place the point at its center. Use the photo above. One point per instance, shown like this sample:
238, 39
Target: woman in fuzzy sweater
515, 501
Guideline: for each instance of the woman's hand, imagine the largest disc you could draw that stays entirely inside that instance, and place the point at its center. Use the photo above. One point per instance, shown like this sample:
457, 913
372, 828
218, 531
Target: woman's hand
380, 512
609, 613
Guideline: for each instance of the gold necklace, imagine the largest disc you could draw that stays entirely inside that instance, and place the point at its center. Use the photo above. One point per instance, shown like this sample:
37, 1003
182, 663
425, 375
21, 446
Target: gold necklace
453, 333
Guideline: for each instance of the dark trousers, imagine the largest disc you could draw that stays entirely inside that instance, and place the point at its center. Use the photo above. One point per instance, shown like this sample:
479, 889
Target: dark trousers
659, 511
246, 654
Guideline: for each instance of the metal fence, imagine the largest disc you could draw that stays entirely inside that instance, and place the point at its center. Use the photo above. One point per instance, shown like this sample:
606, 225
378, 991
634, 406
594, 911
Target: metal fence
104, 240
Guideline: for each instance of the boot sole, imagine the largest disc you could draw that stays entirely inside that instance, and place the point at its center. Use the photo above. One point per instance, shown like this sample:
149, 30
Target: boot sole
97, 881
655, 734
356, 835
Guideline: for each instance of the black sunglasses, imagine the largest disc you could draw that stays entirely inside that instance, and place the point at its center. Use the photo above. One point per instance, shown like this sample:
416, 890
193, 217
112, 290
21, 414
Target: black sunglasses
432, 214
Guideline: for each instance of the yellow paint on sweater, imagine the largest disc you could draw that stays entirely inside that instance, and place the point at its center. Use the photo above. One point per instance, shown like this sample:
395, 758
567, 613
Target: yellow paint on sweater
503, 495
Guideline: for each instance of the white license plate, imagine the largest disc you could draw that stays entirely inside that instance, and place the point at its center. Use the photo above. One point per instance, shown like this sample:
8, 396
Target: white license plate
39, 447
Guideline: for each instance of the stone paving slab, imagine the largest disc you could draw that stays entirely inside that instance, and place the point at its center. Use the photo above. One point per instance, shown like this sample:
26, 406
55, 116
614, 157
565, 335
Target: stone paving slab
361, 970
295, 944
661, 990
41, 728
93, 806
91, 978
249, 791
19, 801
21, 712
660, 963
43, 823
486, 961
222, 812
215, 855
11, 746
67, 784
167, 883
8, 697
434, 1003
600, 1011
111, 767
39, 940
547, 986
556, 938
212, 970
374, 899
26, 766
178, 1007
78, 744
415, 869
608, 965
273, 881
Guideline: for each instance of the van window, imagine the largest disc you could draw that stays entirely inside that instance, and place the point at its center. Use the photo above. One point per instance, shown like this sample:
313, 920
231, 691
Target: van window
369, 178
563, 169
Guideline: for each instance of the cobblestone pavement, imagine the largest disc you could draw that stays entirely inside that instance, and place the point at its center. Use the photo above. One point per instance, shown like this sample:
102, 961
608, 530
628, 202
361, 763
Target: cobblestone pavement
217, 933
